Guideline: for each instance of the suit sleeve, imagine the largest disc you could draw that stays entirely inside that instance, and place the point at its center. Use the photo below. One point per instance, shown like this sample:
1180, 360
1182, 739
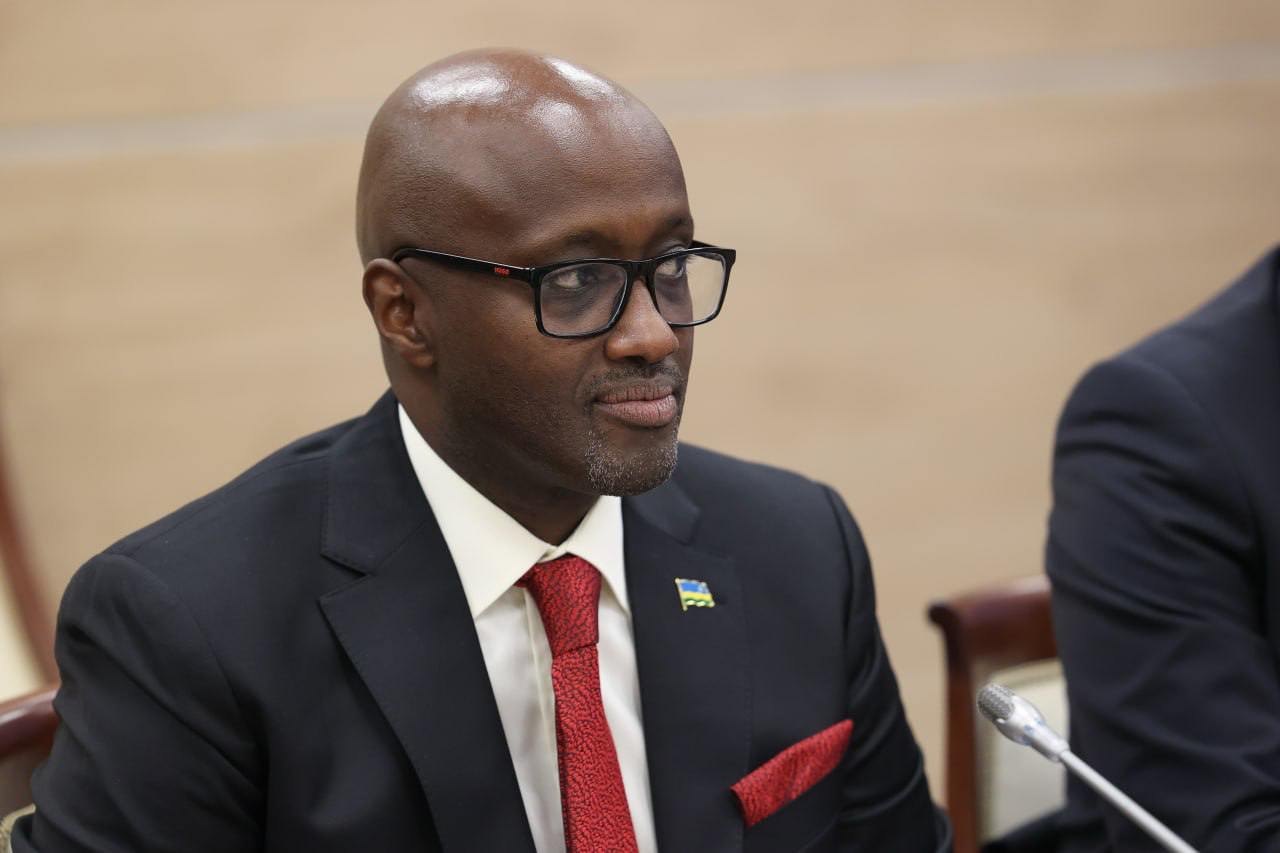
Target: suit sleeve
151, 753
886, 802
1157, 606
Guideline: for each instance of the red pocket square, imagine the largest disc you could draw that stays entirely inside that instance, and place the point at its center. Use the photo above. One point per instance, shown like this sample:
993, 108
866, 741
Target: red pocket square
791, 772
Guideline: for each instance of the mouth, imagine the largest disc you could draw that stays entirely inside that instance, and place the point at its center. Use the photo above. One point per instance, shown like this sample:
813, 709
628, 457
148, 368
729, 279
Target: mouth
648, 405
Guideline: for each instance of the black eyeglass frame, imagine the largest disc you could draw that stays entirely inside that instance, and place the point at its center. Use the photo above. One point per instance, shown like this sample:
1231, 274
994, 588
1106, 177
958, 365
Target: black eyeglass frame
533, 277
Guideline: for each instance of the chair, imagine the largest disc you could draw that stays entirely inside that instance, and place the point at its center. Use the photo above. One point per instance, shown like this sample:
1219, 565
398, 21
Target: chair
1002, 633
27, 725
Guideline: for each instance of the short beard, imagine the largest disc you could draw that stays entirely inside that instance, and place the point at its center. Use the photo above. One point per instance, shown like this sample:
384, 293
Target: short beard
614, 472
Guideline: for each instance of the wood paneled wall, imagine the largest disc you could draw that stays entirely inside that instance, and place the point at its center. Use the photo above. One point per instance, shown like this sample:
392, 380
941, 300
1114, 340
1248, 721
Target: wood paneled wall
944, 213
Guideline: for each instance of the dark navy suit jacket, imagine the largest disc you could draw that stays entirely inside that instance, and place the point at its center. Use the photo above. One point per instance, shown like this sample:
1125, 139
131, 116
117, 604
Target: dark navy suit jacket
289, 664
1164, 553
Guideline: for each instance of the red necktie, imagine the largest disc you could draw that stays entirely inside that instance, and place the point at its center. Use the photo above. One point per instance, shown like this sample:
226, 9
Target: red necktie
592, 799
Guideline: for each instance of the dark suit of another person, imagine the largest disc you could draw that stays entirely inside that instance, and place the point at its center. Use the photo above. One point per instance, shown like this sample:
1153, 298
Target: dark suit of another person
289, 664
1164, 553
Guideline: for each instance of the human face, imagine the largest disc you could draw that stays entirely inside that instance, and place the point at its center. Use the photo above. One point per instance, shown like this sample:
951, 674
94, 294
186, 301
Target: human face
532, 414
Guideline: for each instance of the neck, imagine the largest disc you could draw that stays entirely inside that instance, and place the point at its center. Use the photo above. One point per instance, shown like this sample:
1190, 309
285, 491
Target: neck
549, 513
549, 520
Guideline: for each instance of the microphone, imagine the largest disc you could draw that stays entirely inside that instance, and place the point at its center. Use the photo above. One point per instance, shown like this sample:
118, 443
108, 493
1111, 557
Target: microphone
1021, 722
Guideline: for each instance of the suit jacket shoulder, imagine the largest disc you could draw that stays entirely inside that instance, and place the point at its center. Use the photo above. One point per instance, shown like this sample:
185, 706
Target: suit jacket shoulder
1225, 356
279, 495
731, 492
1163, 550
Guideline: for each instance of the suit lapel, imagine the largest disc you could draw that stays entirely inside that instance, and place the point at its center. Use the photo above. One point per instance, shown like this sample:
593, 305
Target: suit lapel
407, 630
693, 675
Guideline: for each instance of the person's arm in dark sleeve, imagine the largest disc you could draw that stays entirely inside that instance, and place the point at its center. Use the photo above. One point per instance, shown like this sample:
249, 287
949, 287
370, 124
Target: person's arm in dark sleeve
1173, 688
152, 752
886, 802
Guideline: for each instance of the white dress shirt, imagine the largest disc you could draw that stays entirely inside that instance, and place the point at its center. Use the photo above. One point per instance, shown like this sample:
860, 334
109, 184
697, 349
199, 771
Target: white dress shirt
492, 551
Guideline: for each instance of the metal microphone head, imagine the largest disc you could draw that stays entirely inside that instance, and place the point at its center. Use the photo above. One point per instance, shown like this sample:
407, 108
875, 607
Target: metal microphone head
995, 701
1020, 721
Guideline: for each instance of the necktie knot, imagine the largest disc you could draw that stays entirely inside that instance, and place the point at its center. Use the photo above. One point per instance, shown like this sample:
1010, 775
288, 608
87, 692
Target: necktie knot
567, 592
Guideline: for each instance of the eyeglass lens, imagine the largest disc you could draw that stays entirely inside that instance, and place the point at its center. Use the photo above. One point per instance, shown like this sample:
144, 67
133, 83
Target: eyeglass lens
583, 298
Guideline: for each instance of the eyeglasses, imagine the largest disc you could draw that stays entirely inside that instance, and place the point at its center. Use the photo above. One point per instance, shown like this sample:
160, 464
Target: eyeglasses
582, 298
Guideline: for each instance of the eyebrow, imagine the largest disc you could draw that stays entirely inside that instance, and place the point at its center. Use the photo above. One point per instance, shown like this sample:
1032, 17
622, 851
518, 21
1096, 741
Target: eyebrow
592, 237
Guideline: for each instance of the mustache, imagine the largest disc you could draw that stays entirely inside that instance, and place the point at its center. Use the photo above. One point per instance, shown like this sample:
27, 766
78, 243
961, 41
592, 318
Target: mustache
616, 378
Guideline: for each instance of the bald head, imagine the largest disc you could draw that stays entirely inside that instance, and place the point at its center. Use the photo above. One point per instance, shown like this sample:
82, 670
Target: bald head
529, 161
468, 148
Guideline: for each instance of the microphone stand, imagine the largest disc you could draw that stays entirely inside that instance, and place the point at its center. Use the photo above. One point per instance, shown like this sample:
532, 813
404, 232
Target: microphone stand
1125, 804
1021, 722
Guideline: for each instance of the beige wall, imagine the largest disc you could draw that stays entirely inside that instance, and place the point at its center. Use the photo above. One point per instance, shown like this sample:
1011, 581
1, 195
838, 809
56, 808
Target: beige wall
943, 213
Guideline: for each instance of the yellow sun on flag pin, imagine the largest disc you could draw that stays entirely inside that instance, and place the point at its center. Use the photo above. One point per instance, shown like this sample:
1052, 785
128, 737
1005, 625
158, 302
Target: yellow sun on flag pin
693, 594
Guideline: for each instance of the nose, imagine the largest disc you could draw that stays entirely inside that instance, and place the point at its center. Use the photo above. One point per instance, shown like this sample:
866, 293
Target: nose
641, 332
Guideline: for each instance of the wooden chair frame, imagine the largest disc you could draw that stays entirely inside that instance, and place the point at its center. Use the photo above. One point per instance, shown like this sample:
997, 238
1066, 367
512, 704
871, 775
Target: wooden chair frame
27, 726
983, 632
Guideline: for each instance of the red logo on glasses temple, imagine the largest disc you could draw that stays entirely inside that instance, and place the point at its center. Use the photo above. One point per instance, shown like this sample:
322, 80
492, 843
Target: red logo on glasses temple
501, 271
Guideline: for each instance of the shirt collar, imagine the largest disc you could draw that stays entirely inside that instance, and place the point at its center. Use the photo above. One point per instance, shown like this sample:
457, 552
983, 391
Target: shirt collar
490, 549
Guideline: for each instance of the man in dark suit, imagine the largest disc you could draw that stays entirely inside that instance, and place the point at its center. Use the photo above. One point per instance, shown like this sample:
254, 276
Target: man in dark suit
1164, 553
435, 627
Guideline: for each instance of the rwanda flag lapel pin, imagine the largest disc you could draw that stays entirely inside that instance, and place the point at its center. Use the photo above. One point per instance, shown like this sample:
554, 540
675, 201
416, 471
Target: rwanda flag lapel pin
693, 594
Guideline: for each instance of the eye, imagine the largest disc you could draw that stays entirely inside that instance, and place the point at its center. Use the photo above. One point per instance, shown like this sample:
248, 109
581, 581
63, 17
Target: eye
577, 279
584, 278
672, 268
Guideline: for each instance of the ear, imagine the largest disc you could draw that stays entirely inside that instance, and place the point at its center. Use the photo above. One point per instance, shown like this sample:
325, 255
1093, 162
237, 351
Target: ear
401, 310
